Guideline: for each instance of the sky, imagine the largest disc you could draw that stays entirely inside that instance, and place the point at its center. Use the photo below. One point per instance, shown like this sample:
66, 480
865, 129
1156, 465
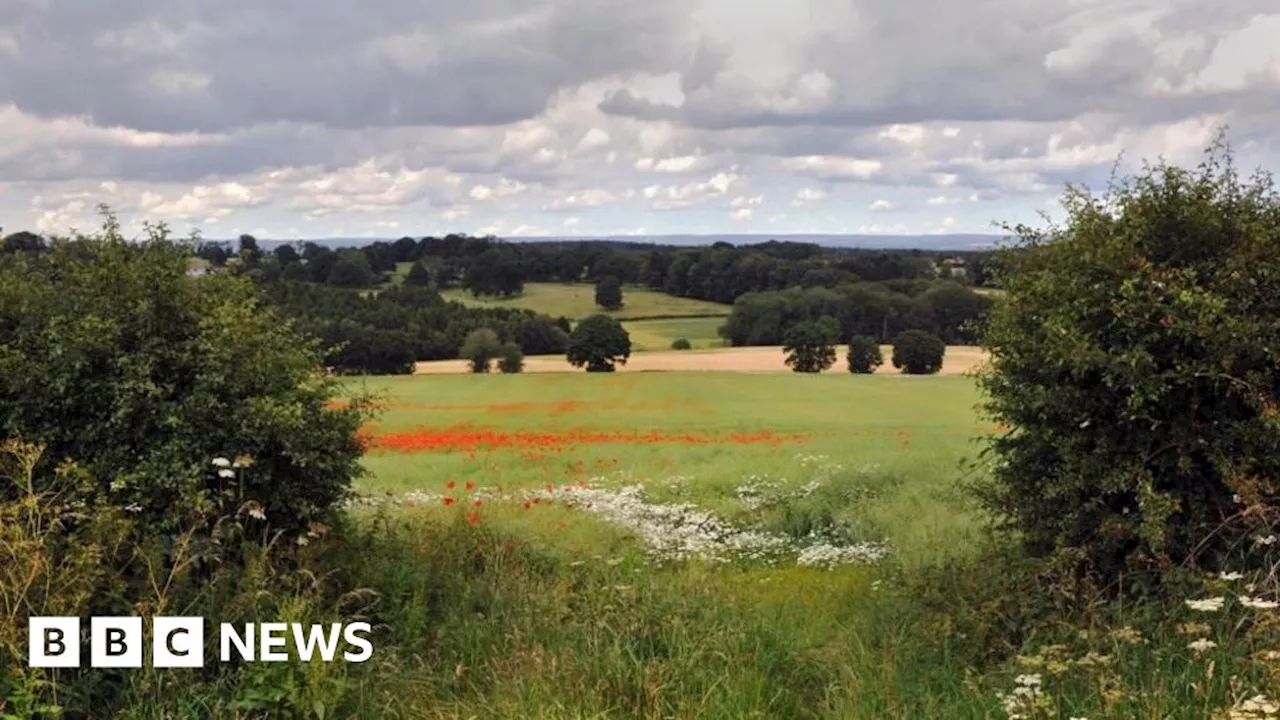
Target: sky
330, 118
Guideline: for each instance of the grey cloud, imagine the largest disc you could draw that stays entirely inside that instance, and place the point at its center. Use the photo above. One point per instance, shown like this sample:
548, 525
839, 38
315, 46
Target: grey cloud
913, 61
326, 61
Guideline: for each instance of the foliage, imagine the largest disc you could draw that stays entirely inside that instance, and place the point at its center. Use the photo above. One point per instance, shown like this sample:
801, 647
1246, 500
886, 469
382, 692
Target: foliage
810, 346
681, 344
599, 342
916, 352
350, 270
609, 292
864, 355
880, 310
480, 348
419, 275
115, 357
387, 331
1137, 362
511, 359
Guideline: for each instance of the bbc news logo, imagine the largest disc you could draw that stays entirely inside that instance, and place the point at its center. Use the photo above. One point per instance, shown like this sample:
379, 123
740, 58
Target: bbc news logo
178, 642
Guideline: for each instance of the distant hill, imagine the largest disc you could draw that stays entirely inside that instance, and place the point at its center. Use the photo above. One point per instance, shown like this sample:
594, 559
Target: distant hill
885, 242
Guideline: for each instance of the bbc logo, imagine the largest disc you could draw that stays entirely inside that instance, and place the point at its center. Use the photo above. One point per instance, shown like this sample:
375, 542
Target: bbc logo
178, 642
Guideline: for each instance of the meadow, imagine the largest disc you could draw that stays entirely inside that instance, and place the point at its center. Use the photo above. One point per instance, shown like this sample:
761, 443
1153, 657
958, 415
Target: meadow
694, 544
577, 300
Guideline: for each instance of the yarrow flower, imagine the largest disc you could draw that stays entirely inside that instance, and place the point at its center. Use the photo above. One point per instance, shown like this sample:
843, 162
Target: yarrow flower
226, 473
1230, 576
221, 462
1213, 604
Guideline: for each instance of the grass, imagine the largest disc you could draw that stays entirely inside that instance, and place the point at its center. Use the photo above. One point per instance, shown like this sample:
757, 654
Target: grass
576, 301
562, 611
647, 335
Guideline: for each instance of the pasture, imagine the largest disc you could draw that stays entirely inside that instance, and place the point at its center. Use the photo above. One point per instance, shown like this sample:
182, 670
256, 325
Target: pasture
577, 300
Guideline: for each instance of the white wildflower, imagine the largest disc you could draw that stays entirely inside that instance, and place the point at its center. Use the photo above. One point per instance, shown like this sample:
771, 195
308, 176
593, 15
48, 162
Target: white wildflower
1202, 645
1213, 604
226, 473
1265, 540
1230, 576
221, 462
1258, 603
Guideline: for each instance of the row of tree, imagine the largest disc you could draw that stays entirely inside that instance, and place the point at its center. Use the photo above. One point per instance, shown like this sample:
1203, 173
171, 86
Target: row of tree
487, 266
880, 310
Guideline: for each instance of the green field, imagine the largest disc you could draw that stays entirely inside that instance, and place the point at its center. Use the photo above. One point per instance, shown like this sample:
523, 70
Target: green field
649, 335
576, 301
859, 463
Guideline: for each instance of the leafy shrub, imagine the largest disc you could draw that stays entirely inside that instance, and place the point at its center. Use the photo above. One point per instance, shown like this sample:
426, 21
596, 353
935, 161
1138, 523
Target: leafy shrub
113, 356
916, 352
1137, 363
810, 346
599, 342
864, 355
480, 348
681, 344
512, 358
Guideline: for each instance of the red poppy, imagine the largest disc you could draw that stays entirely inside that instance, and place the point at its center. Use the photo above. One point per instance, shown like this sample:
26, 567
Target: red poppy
473, 517
471, 485
478, 502
537, 501
449, 485
448, 501
527, 504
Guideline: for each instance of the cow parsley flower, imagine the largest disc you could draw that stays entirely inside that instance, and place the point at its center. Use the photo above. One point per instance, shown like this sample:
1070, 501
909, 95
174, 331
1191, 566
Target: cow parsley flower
221, 462
1202, 645
1213, 604
1258, 603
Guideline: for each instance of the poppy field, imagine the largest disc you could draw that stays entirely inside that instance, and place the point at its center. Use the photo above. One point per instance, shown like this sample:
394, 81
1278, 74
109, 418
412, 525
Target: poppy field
663, 544
879, 449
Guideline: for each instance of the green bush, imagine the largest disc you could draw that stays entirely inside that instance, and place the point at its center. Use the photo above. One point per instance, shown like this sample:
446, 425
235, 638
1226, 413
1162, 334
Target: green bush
864, 355
681, 344
1136, 362
599, 342
916, 352
511, 360
114, 357
810, 346
480, 348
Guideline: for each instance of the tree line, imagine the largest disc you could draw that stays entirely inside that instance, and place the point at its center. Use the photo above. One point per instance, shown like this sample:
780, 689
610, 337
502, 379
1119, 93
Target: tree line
344, 297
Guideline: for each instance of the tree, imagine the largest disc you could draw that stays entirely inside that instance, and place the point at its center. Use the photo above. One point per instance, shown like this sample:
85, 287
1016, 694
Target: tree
115, 358
916, 352
511, 358
479, 349
418, 275
810, 346
681, 344
350, 271
1134, 358
599, 342
609, 292
864, 355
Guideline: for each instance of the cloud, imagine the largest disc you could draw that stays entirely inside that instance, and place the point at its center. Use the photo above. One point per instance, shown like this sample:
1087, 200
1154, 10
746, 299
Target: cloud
525, 114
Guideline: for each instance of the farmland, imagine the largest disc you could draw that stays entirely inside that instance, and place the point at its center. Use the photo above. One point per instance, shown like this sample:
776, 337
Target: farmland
577, 300
959, 360
757, 515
